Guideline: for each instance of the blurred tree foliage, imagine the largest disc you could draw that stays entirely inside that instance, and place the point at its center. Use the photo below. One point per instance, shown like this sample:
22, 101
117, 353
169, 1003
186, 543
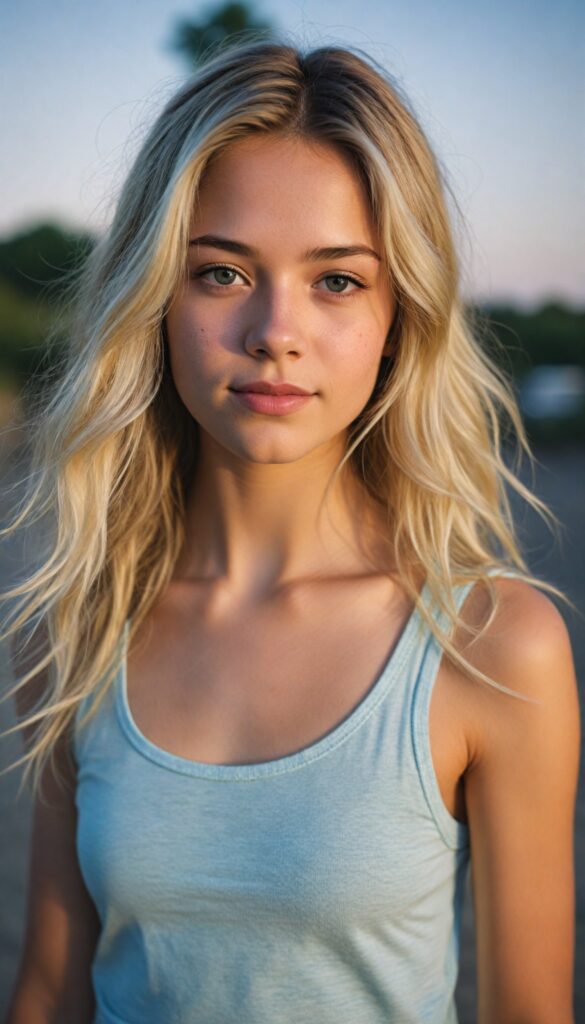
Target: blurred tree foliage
38, 259
37, 266
215, 26
553, 334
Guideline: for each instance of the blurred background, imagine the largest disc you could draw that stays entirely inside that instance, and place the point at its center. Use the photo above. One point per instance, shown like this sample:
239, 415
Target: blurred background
499, 89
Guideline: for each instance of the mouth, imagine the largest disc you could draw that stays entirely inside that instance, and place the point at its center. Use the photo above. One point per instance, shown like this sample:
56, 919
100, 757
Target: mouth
270, 404
268, 388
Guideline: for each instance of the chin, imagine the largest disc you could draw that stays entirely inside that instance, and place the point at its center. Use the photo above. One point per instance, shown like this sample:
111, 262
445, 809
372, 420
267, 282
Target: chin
269, 451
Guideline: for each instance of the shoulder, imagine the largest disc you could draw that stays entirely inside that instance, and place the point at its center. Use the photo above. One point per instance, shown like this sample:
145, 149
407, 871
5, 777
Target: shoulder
526, 638
525, 648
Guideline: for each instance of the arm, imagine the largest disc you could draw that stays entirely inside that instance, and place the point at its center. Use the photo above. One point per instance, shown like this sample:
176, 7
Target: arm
54, 980
520, 793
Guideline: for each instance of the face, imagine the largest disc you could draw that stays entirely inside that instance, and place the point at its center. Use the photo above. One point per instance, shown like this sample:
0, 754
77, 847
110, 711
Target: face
264, 310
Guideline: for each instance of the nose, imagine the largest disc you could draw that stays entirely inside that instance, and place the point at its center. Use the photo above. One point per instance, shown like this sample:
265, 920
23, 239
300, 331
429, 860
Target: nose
276, 328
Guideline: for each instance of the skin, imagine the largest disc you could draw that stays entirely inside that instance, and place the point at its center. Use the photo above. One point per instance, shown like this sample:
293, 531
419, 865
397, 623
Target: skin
255, 508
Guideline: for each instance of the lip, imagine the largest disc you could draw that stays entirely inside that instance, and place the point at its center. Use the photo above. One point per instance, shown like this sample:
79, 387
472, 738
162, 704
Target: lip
272, 405
265, 387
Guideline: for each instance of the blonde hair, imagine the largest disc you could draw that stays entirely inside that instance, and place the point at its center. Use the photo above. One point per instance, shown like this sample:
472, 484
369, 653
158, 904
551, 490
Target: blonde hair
113, 448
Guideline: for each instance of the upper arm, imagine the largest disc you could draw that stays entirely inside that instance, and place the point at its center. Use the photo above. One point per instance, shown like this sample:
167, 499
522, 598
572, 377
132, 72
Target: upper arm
520, 794
62, 924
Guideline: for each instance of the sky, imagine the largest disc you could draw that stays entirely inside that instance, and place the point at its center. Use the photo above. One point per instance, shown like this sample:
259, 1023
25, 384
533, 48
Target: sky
497, 85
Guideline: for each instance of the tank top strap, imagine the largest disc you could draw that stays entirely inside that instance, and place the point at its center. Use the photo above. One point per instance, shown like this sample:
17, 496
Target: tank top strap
459, 594
454, 832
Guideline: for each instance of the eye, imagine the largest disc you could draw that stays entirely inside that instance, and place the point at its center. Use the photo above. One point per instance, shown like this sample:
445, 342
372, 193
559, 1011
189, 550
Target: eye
225, 269
343, 278
222, 268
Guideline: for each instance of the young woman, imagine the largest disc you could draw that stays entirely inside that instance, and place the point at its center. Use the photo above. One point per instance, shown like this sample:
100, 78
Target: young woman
279, 527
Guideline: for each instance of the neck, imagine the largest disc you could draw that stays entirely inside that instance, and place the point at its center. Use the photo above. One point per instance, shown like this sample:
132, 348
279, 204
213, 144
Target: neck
252, 528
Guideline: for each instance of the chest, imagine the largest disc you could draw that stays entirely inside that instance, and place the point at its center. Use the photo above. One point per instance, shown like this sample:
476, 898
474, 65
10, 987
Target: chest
196, 880
271, 681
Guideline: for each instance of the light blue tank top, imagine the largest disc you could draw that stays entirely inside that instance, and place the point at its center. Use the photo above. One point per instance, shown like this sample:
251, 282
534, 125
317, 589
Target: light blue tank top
324, 886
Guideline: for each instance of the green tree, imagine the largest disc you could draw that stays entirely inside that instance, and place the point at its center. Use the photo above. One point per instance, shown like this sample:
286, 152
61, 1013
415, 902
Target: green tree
39, 261
37, 266
215, 27
553, 334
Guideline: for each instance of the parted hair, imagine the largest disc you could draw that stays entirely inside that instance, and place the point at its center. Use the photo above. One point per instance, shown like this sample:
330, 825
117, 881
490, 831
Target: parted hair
111, 449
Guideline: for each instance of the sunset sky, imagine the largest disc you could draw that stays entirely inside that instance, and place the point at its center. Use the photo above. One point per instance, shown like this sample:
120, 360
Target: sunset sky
498, 87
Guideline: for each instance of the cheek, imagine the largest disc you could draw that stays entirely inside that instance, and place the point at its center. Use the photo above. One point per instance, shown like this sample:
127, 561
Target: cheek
189, 357
192, 343
356, 364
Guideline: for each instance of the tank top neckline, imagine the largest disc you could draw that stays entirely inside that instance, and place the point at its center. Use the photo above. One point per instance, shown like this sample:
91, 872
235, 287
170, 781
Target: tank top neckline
386, 678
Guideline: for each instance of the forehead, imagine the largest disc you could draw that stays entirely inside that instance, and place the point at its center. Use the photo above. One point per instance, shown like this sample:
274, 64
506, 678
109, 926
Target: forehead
289, 183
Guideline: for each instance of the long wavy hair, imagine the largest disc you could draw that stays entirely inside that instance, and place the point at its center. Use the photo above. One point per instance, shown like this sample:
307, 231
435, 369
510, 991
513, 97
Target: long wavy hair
111, 449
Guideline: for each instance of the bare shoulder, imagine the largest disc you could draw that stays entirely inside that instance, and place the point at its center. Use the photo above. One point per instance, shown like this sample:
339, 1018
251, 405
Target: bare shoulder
527, 622
526, 648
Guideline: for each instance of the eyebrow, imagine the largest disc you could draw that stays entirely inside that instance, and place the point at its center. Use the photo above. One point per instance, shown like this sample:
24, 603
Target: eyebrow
330, 252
